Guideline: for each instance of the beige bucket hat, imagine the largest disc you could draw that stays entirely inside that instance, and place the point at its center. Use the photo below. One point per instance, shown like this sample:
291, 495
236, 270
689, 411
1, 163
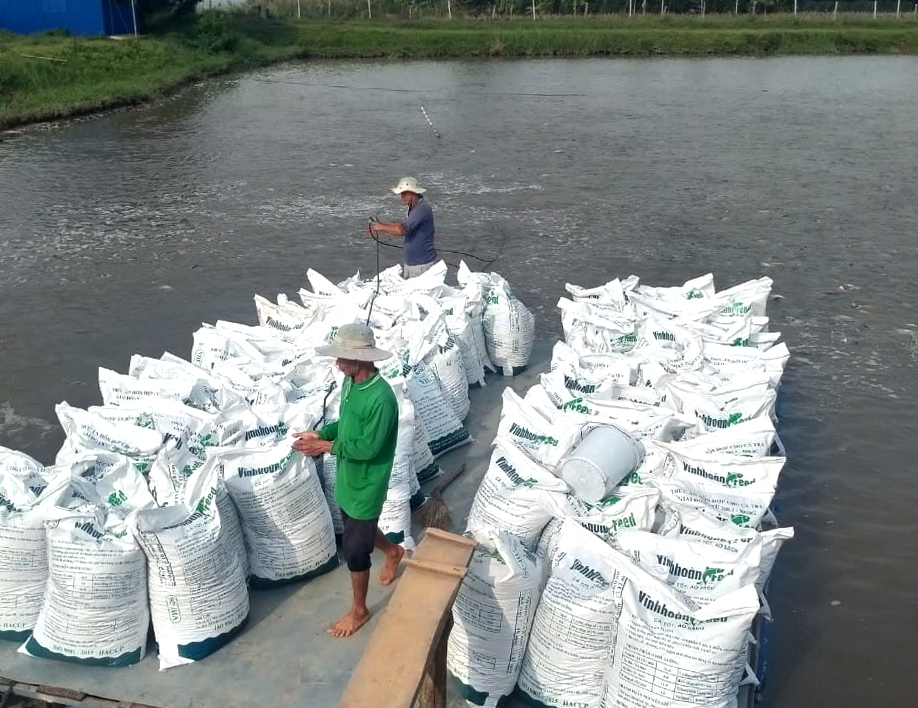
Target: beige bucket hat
354, 341
408, 184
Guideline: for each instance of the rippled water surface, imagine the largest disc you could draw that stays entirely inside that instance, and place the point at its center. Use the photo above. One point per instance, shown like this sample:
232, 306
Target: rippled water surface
122, 234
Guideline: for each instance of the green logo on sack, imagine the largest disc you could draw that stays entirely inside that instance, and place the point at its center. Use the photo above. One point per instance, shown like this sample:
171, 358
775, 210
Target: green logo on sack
172, 607
576, 405
201, 443
521, 432
694, 294
116, 498
713, 575
740, 519
735, 479
145, 420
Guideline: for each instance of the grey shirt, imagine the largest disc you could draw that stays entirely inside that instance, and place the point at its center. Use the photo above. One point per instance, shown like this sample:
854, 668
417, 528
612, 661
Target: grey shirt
419, 234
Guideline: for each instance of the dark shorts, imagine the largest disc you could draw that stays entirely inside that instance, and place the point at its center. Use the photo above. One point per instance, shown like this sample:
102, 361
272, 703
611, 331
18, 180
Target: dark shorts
358, 542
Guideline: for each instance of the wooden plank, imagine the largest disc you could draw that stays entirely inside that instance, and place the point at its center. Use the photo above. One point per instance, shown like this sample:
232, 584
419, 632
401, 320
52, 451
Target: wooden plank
455, 570
410, 631
432, 693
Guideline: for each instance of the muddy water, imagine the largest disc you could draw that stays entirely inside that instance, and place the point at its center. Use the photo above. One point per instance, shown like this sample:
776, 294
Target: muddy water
122, 234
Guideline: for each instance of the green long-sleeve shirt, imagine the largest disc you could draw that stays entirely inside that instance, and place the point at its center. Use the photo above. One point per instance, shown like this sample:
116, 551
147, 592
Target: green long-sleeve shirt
364, 438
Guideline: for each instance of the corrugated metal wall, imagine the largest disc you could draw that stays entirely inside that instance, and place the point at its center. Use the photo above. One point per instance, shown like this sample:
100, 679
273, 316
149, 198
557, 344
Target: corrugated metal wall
118, 17
85, 17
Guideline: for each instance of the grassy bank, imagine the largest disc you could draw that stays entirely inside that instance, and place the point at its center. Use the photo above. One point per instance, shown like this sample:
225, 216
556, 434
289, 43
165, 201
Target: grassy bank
43, 77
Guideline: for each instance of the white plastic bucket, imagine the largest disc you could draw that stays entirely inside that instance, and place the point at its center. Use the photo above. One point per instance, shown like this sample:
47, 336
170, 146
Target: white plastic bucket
600, 462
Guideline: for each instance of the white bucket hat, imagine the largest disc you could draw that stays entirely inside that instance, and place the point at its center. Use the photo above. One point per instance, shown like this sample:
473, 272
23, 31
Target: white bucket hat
356, 342
408, 184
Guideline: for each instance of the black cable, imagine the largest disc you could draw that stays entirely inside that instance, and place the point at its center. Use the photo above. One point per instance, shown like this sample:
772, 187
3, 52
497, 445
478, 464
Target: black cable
375, 238
439, 250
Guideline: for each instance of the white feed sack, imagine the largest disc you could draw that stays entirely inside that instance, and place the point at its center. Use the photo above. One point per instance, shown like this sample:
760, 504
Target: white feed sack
668, 654
575, 624
288, 318
634, 510
517, 496
444, 430
198, 595
123, 390
544, 441
700, 288
720, 412
492, 616
95, 610
749, 298
728, 471
431, 341
591, 330
611, 296
206, 391
463, 330
675, 348
287, 525
395, 518
88, 432
115, 479
509, 328
700, 572
588, 371
23, 467
641, 421
329, 472
473, 291
730, 487
24, 551
733, 361
696, 526
191, 428
751, 438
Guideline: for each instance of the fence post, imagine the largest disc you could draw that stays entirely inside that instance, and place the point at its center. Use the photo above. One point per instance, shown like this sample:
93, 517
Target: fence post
661, 6
533, 10
874, 9
898, 7
369, 10
835, 11
449, 9
795, 8
702, 8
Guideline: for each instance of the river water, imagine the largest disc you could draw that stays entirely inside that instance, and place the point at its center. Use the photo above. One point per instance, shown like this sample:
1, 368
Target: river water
122, 234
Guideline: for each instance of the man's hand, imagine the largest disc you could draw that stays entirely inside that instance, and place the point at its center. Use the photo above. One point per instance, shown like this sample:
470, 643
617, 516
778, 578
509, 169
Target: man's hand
307, 435
313, 447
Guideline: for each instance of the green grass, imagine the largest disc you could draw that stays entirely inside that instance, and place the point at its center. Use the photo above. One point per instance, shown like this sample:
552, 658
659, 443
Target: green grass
49, 76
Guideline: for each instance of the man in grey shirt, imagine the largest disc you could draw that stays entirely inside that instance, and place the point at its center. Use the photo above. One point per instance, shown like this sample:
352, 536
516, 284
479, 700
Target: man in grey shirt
417, 230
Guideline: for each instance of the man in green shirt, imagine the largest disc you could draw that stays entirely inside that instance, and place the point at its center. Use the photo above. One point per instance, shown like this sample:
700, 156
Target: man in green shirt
363, 440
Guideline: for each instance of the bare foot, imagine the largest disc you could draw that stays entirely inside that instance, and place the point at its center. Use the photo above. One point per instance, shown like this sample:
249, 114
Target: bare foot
350, 623
387, 574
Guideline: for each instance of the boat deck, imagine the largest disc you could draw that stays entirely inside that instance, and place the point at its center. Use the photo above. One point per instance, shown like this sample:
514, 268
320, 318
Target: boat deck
283, 657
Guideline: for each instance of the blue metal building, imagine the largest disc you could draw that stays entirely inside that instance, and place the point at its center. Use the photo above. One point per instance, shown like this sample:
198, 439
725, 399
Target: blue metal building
84, 17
